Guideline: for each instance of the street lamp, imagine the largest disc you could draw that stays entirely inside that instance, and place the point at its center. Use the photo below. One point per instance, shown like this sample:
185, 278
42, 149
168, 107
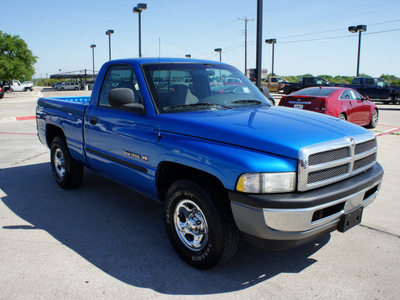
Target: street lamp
220, 53
93, 46
354, 29
138, 10
273, 42
109, 32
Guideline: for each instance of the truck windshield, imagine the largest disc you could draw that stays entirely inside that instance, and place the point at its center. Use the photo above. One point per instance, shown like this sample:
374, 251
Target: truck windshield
177, 87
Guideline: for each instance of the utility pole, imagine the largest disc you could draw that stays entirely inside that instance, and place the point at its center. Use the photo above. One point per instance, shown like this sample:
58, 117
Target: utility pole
245, 42
259, 42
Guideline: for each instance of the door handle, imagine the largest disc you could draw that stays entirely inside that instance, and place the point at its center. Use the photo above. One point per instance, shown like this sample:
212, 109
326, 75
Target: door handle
93, 121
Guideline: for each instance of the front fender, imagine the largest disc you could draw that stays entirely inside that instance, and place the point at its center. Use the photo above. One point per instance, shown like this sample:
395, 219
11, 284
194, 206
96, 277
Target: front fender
224, 161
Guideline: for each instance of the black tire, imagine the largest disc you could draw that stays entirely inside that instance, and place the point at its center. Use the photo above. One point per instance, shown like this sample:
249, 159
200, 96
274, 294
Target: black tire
76, 88
192, 212
62, 89
67, 172
374, 119
342, 116
395, 100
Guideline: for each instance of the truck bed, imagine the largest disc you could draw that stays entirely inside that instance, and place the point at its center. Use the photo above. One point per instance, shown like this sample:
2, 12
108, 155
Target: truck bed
66, 113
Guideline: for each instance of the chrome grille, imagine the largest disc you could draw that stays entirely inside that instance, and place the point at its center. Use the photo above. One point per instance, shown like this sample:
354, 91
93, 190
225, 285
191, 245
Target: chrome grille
364, 161
328, 156
327, 174
362, 147
329, 162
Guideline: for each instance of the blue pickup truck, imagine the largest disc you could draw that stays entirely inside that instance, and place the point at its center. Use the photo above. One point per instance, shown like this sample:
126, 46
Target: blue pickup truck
225, 165
375, 89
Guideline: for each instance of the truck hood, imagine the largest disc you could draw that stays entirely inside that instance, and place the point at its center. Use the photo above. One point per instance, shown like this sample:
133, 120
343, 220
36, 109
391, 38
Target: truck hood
278, 130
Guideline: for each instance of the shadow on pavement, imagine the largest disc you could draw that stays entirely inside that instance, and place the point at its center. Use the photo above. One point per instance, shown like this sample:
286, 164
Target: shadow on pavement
122, 233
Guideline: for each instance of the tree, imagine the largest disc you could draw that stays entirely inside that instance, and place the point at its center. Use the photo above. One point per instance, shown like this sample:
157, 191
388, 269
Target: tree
16, 60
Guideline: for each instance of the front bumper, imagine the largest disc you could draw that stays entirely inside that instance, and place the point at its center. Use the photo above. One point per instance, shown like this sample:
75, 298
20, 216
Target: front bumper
287, 220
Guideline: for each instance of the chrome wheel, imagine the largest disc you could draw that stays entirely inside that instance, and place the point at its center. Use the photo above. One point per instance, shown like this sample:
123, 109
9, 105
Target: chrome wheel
342, 117
59, 163
374, 119
191, 225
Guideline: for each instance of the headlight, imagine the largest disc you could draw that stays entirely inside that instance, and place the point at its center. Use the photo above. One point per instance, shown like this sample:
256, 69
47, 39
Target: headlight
260, 183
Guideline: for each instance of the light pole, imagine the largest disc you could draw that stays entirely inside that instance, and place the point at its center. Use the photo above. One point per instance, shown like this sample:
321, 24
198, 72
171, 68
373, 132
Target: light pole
109, 32
259, 42
273, 42
354, 29
220, 53
93, 46
138, 10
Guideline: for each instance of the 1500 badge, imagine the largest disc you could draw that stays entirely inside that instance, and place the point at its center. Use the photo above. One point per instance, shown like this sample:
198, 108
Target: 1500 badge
135, 155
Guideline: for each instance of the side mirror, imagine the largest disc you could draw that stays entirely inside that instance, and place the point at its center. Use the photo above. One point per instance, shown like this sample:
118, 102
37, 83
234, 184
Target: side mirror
125, 98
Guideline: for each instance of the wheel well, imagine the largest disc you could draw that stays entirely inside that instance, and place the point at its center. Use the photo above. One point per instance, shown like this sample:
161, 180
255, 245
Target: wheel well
344, 114
169, 172
52, 132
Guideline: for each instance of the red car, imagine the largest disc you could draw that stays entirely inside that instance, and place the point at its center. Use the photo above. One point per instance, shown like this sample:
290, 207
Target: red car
339, 102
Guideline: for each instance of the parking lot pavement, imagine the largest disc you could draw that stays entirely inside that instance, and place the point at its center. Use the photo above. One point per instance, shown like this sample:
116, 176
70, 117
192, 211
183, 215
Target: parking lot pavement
104, 241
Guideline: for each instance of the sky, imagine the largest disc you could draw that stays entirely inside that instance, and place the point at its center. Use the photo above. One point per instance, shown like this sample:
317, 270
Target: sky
312, 36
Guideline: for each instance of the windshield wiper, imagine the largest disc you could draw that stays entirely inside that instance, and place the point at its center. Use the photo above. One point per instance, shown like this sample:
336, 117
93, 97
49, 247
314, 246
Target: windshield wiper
257, 102
199, 104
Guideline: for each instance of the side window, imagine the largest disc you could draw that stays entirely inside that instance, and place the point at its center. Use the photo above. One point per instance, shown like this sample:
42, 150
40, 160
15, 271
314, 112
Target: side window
119, 77
369, 81
345, 95
381, 83
355, 95
357, 81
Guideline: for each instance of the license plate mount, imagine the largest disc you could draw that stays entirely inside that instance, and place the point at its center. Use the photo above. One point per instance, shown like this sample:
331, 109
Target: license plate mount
350, 219
298, 106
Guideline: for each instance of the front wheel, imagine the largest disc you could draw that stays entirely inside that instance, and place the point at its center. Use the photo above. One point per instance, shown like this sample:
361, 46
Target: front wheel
200, 225
67, 172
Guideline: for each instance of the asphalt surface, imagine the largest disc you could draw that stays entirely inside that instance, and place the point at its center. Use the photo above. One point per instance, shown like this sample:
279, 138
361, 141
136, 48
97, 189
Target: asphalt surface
103, 241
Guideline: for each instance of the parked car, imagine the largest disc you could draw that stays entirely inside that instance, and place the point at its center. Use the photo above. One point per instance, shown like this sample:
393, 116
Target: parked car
16, 86
232, 81
342, 103
1, 92
56, 85
274, 84
69, 86
304, 82
375, 88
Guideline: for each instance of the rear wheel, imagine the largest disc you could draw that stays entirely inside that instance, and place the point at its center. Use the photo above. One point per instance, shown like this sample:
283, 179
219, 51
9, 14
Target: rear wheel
342, 116
200, 225
67, 172
395, 100
374, 119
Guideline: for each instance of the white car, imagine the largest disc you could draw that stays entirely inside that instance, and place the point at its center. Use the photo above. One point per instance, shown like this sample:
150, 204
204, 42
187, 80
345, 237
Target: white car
17, 86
